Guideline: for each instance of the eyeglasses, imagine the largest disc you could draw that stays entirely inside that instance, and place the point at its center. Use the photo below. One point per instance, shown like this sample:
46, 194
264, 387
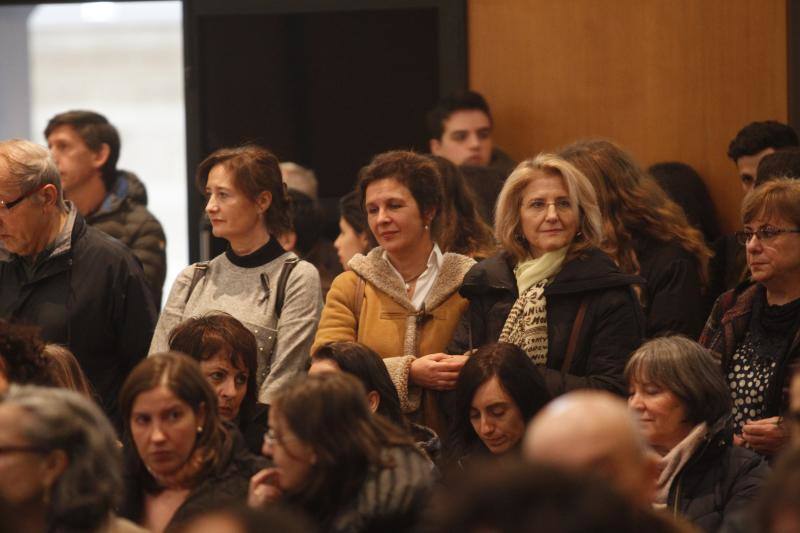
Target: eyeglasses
763, 234
8, 206
562, 205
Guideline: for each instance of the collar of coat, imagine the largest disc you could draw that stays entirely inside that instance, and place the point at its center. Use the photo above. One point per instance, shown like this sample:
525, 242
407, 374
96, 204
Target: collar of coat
374, 269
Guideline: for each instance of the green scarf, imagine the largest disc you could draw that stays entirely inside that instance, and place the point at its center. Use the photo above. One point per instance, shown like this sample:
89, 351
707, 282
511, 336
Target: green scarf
532, 271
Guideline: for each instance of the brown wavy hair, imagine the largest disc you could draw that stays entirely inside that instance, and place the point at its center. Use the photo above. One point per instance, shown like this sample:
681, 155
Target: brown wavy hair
462, 230
182, 376
633, 205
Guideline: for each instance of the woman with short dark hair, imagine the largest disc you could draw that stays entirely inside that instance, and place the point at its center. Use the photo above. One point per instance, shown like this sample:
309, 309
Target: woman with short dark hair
755, 329
401, 298
273, 293
498, 393
227, 354
354, 234
347, 469
180, 456
683, 405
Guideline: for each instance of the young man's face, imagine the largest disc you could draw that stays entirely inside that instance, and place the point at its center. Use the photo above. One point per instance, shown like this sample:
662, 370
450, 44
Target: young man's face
467, 138
748, 168
76, 162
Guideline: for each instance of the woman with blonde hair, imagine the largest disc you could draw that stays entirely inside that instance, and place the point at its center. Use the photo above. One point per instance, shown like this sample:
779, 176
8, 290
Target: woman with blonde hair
551, 290
647, 234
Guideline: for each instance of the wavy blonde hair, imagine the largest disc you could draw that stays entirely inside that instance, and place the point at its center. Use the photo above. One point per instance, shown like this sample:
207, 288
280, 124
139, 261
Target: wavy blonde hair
581, 194
633, 204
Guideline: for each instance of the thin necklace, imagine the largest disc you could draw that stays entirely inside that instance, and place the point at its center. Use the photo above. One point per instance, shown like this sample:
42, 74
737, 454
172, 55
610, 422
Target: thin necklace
411, 280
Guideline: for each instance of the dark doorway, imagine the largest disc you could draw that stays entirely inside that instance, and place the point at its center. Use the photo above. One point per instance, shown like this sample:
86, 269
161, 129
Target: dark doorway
324, 87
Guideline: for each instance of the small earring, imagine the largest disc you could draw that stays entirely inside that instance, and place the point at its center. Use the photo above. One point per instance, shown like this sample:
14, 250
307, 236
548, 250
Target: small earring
199, 429
427, 227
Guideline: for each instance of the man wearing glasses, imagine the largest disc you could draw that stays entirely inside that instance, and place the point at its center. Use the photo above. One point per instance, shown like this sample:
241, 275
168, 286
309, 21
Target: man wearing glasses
82, 288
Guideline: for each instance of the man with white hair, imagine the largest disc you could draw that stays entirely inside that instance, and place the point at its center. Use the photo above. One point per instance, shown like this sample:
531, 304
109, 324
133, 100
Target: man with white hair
82, 288
593, 431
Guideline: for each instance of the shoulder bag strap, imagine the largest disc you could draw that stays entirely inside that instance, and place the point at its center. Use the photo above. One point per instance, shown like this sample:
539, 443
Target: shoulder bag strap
287, 268
573, 337
199, 273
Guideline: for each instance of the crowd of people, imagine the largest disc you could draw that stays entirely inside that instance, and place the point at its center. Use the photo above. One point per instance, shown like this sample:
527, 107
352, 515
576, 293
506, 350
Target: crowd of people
458, 359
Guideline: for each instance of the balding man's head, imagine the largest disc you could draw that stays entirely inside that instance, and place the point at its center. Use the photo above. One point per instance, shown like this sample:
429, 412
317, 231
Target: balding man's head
592, 430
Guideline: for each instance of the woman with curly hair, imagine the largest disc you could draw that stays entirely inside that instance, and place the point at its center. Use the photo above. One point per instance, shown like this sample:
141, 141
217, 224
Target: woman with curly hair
647, 234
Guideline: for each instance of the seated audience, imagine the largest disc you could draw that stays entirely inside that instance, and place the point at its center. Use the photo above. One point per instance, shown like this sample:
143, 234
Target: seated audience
60, 468
783, 163
684, 409
180, 456
355, 236
402, 298
755, 329
498, 392
463, 230
509, 497
594, 432
647, 234
346, 468
271, 292
728, 267
363, 363
226, 352
551, 290
686, 188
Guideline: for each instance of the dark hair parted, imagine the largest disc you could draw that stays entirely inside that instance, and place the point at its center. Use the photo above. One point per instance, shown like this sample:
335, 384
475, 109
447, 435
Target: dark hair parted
686, 369
457, 101
758, 136
633, 205
182, 376
415, 172
785, 163
91, 484
518, 376
95, 130
329, 412
779, 198
254, 171
21, 355
463, 231
204, 336
362, 362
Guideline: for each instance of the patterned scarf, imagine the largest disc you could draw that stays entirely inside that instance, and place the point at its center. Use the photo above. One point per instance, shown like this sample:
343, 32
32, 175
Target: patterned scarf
526, 325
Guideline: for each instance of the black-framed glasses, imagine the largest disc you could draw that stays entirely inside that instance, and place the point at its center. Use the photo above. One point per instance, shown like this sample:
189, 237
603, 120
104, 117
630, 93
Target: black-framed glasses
22, 449
8, 206
763, 234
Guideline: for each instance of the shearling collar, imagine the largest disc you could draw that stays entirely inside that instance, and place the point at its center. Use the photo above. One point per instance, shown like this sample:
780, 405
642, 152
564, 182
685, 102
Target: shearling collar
374, 269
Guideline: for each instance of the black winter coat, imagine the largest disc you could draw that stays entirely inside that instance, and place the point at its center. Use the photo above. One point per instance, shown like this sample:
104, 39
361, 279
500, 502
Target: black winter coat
612, 327
718, 482
91, 298
674, 298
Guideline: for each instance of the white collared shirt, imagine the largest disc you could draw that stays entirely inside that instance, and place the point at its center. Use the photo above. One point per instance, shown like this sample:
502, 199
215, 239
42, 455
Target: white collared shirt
426, 280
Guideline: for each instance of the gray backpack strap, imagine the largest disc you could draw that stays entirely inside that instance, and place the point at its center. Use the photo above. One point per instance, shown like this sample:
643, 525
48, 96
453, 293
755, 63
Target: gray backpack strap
199, 273
280, 296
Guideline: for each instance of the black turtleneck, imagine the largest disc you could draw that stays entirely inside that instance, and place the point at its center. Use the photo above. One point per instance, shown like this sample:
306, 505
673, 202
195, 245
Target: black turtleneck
270, 251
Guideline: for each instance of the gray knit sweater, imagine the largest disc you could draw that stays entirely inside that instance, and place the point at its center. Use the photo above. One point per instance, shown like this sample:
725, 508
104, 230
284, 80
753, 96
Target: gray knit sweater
241, 291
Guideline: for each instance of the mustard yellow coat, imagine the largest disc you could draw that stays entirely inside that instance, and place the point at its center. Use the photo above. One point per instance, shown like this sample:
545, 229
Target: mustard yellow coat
389, 324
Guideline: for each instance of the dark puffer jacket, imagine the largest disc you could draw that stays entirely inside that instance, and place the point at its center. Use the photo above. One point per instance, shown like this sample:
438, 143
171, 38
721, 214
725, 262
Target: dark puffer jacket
718, 482
124, 215
612, 328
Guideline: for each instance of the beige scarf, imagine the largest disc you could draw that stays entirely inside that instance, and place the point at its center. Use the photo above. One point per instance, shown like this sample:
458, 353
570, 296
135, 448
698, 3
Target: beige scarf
674, 461
526, 325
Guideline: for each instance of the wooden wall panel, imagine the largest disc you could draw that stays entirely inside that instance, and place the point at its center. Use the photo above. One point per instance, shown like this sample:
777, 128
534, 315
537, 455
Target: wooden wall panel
667, 79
